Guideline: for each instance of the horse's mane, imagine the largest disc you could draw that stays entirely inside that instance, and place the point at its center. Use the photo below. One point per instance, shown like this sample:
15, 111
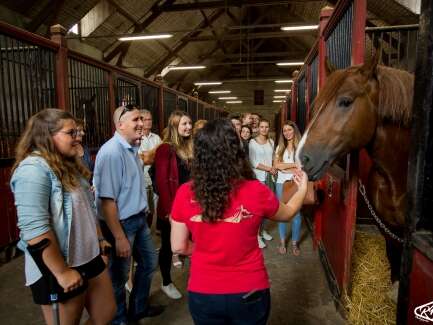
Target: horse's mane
395, 93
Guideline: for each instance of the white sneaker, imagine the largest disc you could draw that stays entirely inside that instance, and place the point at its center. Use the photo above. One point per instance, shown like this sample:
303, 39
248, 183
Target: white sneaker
266, 235
127, 287
261, 242
171, 291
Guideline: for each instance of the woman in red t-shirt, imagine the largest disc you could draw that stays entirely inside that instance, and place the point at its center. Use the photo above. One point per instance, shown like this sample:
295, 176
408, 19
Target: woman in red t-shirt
222, 208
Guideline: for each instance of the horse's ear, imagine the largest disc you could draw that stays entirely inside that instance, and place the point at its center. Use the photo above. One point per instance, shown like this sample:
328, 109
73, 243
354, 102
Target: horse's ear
370, 68
329, 67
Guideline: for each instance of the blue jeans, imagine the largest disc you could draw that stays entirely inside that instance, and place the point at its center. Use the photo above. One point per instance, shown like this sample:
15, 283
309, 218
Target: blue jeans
221, 309
144, 253
296, 221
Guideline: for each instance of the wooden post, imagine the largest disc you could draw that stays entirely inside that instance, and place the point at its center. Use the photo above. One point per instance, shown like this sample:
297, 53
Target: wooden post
58, 33
325, 14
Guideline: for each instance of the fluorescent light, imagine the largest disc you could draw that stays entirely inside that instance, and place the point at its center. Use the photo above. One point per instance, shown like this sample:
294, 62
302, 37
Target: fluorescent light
278, 101
302, 27
283, 81
225, 98
277, 97
282, 90
234, 102
145, 37
219, 92
289, 63
208, 83
186, 67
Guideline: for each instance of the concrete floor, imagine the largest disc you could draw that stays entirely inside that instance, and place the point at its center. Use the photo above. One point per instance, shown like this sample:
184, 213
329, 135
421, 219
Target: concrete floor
300, 294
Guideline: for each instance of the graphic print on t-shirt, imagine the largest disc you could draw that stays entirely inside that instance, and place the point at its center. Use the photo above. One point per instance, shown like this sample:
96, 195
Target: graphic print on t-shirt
240, 214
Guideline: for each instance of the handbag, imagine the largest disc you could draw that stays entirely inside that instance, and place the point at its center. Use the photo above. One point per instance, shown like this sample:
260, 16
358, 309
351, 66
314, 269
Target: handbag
269, 181
290, 188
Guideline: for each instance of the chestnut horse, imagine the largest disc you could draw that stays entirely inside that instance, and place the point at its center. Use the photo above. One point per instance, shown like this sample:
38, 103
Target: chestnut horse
368, 106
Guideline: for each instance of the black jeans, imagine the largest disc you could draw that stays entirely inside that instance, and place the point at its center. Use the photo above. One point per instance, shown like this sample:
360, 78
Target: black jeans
165, 253
236, 309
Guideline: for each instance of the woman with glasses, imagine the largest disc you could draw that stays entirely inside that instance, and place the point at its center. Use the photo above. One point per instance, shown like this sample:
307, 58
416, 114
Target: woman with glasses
215, 218
56, 216
172, 169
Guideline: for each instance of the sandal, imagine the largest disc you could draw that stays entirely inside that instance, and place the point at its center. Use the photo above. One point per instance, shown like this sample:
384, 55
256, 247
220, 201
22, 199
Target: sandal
177, 263
282, 249
295, 249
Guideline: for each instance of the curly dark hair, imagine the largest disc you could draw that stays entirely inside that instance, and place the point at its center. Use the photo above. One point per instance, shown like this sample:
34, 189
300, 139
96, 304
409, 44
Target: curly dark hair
218, 165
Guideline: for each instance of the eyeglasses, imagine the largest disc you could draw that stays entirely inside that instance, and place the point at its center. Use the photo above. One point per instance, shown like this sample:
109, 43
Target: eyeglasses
126, 108
73, 133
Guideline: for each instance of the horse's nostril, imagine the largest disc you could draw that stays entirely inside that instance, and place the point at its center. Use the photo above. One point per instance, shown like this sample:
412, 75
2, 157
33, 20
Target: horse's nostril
305, 160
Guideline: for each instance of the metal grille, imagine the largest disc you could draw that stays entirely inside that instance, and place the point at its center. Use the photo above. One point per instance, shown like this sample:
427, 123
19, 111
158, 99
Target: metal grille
150, 101
182, 103
302, 107
314, 79
200, 112
88, 95
27, 86
192, 109
339, 43
126, 93
398, 45
169, 104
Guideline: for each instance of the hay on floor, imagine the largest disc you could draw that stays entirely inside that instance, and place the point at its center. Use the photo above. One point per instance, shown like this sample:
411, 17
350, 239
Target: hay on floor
370, 282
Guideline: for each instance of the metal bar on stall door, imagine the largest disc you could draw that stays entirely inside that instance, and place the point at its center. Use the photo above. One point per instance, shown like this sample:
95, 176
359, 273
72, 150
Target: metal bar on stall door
381, 47
399, 48
390, 50
407, 48
17, 129
9, 105
3, 112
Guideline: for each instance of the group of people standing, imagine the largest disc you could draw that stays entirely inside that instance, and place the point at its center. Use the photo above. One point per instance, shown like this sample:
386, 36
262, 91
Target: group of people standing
272, 166
211, 204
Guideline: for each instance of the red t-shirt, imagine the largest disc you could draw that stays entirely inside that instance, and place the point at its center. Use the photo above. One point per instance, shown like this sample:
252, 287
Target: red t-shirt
226, 257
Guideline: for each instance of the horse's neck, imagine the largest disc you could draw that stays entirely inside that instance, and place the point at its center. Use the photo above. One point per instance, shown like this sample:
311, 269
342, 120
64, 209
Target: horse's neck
387, 184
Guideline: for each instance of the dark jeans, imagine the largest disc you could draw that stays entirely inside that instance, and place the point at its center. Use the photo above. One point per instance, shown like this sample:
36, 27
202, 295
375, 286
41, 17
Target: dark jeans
144, 253
209, 309
165, 253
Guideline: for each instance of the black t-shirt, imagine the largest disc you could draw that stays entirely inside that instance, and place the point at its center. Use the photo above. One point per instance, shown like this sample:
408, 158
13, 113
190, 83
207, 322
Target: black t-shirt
183, 170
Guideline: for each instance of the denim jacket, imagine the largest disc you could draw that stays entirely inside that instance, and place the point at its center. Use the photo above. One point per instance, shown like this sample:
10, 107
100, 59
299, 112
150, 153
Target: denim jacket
41, 205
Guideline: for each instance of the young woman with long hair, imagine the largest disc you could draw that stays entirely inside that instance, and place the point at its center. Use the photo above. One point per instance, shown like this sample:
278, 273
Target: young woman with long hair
216, 217
172, 168
56, 217
284, 162
261, 151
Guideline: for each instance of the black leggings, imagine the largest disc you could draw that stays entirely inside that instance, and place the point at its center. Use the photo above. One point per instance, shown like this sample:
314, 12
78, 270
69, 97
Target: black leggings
165, 253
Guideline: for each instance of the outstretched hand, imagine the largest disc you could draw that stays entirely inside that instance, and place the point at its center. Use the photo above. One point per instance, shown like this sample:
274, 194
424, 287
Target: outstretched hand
300, 177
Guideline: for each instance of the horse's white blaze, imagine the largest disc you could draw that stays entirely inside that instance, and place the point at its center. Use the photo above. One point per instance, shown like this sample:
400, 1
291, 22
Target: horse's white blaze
300, 146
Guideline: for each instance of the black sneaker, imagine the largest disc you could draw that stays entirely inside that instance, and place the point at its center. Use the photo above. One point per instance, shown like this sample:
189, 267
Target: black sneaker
152, 311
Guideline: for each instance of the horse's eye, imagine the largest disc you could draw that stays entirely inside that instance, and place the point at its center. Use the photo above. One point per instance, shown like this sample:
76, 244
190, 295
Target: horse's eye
344, 102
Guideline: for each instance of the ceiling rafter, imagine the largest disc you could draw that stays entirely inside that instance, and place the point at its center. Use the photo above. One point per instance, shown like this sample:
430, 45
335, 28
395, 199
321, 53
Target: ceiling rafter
123, 47
214, 33
183, 42
51, 9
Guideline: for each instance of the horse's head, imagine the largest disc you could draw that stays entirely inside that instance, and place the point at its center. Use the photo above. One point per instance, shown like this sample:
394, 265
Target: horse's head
344, 118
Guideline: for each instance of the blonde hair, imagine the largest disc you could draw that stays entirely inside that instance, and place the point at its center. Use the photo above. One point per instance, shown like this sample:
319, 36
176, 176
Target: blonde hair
183, 146
283, 142
199, 124
37, 140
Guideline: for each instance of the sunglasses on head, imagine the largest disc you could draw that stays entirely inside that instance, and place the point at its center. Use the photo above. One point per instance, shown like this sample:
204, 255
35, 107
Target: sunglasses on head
126, 108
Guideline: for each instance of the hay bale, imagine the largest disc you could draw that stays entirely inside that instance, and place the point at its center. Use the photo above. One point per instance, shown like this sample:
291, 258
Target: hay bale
367, 302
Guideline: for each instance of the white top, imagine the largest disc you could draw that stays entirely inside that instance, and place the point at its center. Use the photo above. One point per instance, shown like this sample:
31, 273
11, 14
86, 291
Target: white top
148, 143
261, 154
288, 158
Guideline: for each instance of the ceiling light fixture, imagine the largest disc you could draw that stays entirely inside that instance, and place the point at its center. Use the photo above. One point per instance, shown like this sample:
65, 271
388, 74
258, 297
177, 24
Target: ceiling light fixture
282, 90
278, 101
279, 97
207, 83
219, 92
225, 98
144, 37
299, 27
186, 67
290, 64
234, 102
283, 81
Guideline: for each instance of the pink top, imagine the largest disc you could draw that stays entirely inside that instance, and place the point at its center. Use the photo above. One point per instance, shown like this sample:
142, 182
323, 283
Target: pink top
226, 257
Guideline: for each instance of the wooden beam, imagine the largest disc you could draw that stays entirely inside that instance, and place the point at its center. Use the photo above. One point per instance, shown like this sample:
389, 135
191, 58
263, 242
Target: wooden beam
217, 38
45, 13
182, 43
123, 47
